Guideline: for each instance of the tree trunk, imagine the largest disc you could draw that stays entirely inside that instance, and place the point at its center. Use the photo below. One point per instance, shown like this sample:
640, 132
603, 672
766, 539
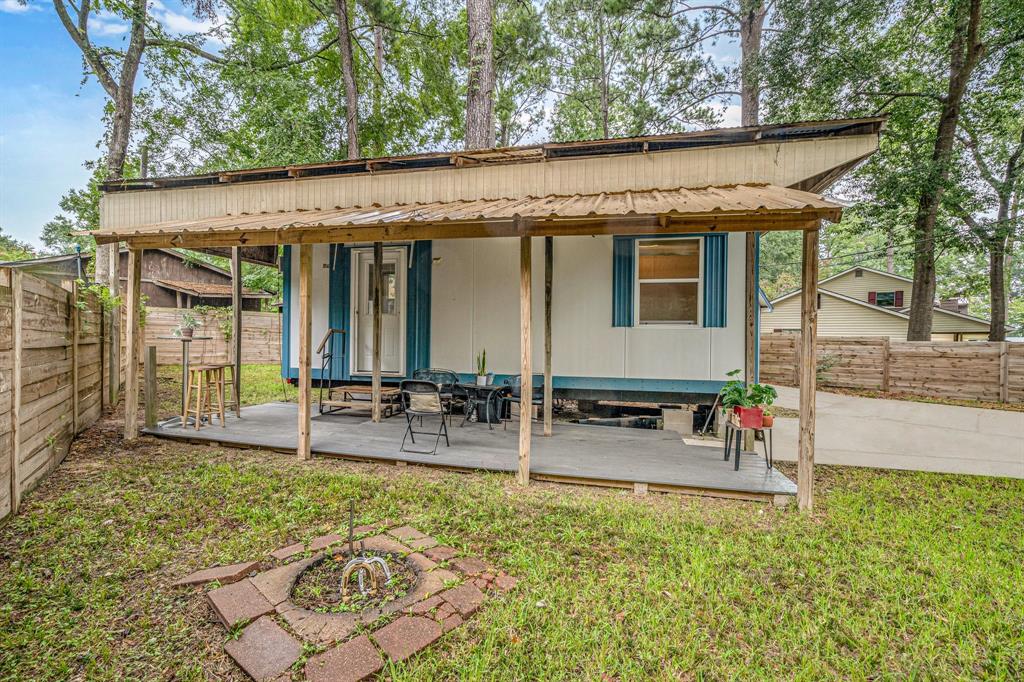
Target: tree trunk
752, 15
997, 286
965, 51
480, 84
348, 76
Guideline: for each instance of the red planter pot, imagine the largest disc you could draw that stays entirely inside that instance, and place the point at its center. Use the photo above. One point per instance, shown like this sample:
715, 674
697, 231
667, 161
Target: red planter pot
749, 417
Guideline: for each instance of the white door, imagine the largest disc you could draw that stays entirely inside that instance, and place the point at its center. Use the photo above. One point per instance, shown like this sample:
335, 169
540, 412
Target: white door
393, 297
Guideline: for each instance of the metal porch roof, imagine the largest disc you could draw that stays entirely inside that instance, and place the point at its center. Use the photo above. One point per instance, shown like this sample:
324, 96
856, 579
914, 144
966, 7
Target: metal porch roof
753, 201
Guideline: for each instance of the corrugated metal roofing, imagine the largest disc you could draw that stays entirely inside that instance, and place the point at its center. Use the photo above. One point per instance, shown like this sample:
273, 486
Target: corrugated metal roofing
741, 200
209, 289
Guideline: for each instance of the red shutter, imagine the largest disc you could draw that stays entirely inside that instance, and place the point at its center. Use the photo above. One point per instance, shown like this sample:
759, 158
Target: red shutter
871, 297
899, 299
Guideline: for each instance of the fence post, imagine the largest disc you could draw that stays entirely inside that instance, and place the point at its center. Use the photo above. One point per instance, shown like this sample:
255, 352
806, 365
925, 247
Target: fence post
885, 364
1004, 372
17, 314
149, 389
74, 358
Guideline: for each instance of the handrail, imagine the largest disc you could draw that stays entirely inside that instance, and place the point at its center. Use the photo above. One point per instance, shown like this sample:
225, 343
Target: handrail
327, 337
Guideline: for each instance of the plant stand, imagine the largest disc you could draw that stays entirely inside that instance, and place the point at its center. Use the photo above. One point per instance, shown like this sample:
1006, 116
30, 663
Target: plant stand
734, 434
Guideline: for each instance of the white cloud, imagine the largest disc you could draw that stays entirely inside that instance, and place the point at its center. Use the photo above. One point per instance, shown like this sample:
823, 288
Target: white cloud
107, 25
731, 116
176, 22
15, 7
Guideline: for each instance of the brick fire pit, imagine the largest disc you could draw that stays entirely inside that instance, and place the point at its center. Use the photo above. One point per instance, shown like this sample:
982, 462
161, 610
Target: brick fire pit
447, 590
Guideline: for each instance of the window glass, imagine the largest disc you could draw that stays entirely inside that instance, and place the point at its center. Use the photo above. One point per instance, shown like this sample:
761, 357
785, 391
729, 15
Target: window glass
886, 298
668, 274
389, 294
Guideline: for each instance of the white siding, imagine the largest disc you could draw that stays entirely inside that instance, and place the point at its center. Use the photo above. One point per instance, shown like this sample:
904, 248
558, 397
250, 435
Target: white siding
321, 290
836, 317
859, 287
475, 305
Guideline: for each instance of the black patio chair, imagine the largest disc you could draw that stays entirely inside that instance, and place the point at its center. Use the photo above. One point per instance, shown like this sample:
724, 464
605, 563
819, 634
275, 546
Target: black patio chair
422, 399
515, 395
447, 381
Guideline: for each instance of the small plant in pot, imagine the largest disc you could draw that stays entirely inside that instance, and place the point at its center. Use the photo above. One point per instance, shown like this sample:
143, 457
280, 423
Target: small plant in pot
188, 325
747, 403
482, 378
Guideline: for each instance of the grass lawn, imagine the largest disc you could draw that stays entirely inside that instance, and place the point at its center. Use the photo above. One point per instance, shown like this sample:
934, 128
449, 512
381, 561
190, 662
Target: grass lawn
896, 575
260, 384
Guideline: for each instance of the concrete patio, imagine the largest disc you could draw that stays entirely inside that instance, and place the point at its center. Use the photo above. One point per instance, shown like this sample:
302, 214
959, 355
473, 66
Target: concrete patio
640, 459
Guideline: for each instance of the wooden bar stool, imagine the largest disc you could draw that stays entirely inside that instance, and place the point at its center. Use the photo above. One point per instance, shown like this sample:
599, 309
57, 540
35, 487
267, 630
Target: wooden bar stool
230, 399
202, 381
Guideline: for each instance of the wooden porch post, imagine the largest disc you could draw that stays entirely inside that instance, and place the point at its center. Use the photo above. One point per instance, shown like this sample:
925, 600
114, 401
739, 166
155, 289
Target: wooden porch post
114, 285
305, 350
378, 286
808, 366
133, 339
236, 325
549, 247
526, 354
750, 323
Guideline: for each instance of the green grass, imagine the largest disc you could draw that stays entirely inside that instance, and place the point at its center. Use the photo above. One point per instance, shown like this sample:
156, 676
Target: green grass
896, 576
260, 384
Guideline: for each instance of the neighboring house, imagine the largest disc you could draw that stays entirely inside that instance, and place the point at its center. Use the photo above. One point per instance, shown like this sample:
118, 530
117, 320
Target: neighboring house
863, 301
171, 279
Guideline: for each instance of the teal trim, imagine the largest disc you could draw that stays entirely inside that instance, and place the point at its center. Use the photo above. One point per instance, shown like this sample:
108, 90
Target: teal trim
623, 269
622, 384
417, 319
286, 326
338, 308
716, 279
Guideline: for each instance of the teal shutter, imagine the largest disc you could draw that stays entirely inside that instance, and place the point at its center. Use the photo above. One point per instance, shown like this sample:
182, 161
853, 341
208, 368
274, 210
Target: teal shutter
716, 278
417, 352
623, 270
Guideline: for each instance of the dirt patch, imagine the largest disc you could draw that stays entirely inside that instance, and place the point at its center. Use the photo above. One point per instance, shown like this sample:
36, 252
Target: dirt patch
319, 587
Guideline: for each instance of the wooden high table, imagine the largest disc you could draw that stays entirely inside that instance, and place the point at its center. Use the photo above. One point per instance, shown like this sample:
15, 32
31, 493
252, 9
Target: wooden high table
185, 340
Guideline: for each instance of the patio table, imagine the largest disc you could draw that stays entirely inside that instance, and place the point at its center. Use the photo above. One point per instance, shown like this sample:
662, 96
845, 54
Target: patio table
184, 361
485, 395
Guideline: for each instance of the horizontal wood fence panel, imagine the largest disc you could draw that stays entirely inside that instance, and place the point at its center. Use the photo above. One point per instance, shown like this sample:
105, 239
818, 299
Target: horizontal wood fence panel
38, 403
261, 336
989, 371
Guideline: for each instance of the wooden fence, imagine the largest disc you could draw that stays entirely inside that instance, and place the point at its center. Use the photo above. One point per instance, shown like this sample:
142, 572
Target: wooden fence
940, 369
261, 336
51, 378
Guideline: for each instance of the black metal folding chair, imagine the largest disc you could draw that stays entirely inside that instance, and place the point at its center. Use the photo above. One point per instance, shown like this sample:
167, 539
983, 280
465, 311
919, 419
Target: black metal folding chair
452, 395
422, 399
516, 396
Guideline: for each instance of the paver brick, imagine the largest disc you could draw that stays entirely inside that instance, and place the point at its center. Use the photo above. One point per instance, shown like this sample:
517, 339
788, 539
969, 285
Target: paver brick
222, 574
237, 602
421, 562
349, 662
469, 565
467, 598
276, 584
424, 607
324, 541
451, 622
288, 552
505, 583
405, 533
406, 636
264, 650
422, 543
441, 553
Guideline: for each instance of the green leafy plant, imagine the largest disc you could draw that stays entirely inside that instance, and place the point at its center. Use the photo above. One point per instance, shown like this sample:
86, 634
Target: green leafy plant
221, 315
481, 363
102, 294
188, 321
737, 393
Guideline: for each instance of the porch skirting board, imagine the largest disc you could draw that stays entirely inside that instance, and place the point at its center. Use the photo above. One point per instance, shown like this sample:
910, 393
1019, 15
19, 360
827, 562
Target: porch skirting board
589, 455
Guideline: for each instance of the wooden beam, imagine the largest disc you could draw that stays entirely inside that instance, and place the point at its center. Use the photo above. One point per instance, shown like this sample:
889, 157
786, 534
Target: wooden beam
17, 353
149, 387
74, 358
114, 361
549, 258
525, 356
204, 237
378, 291
808, 367
236, 326
750, 321
305, 451
133, 339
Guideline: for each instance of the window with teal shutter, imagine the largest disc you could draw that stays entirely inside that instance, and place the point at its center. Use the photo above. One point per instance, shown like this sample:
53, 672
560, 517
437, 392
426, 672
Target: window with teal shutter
714, 281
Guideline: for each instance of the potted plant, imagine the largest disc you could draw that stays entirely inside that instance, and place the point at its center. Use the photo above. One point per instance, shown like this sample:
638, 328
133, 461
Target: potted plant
481, 368
187, 326
747, 403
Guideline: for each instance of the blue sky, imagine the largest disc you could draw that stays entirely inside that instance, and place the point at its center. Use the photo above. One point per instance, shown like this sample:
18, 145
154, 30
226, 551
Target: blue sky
51, 122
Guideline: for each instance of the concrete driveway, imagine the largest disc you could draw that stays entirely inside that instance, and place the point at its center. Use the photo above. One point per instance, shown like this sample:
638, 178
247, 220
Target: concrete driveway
899, 434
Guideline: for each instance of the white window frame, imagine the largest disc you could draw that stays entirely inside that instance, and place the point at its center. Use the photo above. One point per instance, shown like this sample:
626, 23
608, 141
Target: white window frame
699, 324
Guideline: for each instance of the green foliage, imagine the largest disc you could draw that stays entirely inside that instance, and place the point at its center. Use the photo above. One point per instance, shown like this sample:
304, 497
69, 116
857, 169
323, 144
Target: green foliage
222, 315
12, 249
736, 393
80, 211
188, 320
481, 363
107, 301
